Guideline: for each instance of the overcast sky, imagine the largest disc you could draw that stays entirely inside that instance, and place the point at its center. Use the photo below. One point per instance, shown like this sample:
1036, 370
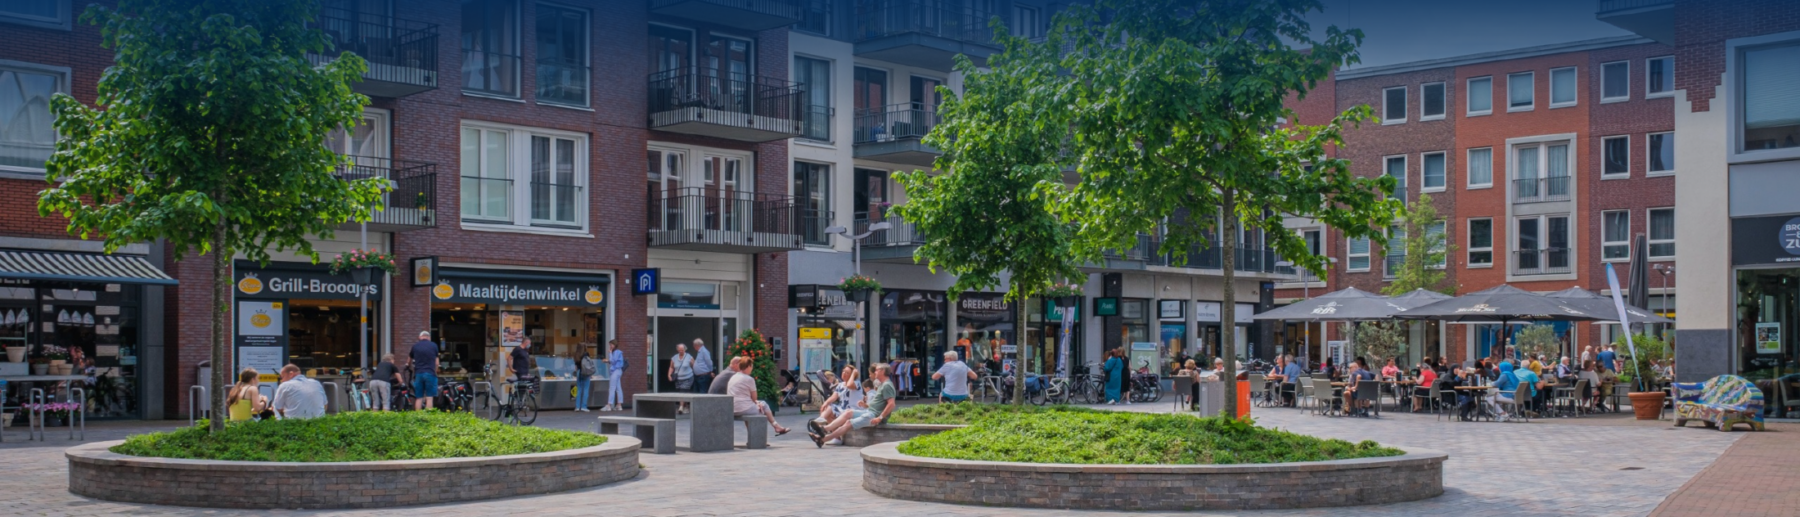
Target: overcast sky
1399, 31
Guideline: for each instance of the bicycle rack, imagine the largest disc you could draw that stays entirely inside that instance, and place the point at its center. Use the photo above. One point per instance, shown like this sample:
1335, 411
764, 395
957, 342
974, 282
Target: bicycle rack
80, 412
35, 431
194, 406
335, 401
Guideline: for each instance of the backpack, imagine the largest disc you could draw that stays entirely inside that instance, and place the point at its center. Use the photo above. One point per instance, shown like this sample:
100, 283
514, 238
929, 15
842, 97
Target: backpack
587, 367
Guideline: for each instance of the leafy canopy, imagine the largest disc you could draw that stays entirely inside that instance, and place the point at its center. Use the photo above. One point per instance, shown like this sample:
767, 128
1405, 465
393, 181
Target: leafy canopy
210, 121
1426, 250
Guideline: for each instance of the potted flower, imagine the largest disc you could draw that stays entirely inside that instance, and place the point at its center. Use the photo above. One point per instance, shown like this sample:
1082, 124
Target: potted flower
858, 287
362, 265
53, 413
752, 345
1065, 294
1646, 399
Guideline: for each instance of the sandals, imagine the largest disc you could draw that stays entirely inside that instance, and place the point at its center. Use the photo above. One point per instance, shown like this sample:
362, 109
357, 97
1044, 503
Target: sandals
817, 441
814, 428
782, 432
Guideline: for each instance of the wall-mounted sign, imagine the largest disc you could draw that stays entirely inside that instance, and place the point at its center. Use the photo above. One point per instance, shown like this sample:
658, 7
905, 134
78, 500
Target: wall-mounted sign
1208, 312
987, 308
1170, 309
479, 286
645, 281
1765, 240
424, 271
1106, 306
300, 282
261, 337
1768, 337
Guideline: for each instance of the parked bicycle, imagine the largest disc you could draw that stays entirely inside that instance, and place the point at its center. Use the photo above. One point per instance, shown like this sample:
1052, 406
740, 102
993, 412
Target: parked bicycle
519, 409
1146, 386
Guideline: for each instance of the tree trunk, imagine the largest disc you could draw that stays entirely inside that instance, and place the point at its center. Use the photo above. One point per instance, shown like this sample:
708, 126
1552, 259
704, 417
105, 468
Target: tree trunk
220, 340
1019, 345
1228, 307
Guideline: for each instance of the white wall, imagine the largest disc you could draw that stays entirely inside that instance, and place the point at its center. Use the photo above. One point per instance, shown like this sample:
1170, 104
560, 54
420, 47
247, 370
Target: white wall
1702, 216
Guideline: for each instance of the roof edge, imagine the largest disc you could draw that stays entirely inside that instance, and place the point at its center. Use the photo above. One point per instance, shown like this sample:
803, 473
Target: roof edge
1498, 55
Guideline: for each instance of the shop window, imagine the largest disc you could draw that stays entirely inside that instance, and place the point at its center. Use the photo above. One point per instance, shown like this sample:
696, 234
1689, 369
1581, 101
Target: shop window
27, 131
1768, 308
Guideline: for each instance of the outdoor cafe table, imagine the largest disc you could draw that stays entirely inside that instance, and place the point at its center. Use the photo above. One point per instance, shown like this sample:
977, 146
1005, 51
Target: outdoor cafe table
711, 419
1479, 407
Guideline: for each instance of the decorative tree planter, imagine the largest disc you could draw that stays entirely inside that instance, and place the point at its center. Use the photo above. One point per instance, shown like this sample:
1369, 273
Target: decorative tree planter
1419, 474
101, 474
1647, 405
893, 433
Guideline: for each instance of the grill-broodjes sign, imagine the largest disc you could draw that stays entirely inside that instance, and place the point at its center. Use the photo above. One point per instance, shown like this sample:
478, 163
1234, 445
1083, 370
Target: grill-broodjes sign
300, 284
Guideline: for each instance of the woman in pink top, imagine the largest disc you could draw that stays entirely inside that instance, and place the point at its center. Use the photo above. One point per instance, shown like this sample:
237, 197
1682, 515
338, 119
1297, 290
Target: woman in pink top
1390, 372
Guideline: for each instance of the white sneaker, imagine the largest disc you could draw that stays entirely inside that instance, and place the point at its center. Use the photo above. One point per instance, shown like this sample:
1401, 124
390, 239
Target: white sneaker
835, 441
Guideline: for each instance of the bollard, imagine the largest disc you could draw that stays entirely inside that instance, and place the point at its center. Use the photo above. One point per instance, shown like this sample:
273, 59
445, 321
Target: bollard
194, 408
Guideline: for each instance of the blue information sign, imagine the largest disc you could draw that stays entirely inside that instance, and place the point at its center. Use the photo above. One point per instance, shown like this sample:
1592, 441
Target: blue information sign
646, 281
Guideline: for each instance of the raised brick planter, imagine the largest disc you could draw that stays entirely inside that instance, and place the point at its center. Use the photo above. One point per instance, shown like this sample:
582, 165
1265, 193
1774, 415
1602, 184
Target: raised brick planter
893, 433
1419, 474
100, 474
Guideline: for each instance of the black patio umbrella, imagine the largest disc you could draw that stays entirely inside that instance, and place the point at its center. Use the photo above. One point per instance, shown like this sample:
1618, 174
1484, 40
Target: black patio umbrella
1502, 304
1419, 298
1603, 306
1349, 304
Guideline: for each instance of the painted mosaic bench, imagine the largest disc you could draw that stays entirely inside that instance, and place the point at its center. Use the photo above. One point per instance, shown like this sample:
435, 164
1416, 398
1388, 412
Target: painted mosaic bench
1721, 402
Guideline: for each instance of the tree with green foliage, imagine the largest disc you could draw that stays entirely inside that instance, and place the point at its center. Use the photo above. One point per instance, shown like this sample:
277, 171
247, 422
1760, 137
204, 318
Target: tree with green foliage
1174, 114
1425, 248
1537, 339
988, 220
1377, 340
209, 135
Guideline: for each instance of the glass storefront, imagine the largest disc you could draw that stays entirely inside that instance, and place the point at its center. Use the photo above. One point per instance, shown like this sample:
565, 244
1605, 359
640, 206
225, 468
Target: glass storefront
1208, 331
1043, 332
826, 326
1768, 309
687, 310
302, 314
478, 315
912, 336
93, 329
985, 323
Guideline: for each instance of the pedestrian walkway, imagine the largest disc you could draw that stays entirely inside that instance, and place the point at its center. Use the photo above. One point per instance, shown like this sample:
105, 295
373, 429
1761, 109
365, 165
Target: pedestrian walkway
1541, 468
1756, 477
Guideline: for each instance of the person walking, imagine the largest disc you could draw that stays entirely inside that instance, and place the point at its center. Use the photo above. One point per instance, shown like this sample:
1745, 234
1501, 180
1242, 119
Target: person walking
956, 377
584, 378
425, 367
246, 400
703, 367
615, 371
381, 384
681, 372
1609, 358
1115, 375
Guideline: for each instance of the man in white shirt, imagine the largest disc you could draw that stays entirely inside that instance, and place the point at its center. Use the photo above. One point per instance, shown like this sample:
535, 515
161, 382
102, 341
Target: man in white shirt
298, 396
956, 377
742, 387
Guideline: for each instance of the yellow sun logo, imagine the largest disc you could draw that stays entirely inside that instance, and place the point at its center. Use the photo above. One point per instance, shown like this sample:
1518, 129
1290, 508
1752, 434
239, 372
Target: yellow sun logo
261, 320
593, 295
250, 285
422, 273
443, 291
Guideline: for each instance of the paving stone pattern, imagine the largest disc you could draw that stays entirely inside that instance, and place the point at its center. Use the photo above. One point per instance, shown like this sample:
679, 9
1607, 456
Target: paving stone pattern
1541, 468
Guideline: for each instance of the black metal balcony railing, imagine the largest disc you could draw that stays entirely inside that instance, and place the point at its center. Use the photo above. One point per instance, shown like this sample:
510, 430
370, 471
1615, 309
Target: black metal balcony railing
1548, 261
744, 94
1554, 188
555, 204
950, 20
700, 210
1249, 259
896, 122
412, 201
562, 83
490, 73
899, 233
815, 123
399, 51
813, 224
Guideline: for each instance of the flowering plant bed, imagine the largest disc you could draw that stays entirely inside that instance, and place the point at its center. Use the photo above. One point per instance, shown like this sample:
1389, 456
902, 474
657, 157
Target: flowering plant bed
54, 409
1062, 290
363, 258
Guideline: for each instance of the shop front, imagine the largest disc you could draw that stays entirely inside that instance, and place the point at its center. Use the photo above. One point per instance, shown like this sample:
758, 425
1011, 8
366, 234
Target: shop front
77, 320
478, 316
984, 324
298, 313
1208, 329
1051, 348
825, 325
1766, 258
687, 310
1171, 316
913, 327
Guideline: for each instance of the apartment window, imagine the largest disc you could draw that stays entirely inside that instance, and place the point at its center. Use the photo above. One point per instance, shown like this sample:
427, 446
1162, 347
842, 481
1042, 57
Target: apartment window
1616, 157
1481, 96
1662, 153
39, 13
1481, 167
1615, 235
1662, 233
490, 45
1615, 81
1314, 239
1440, 243
1541, 172
1481, 242
1432, 174
1431, 101
1542, 245
1519, 96
1660, 81
365, 143
1396, 167
812, 192
1028, 22
1562, 87
27, 130
814, 76
869, 188
1771, 93
523, 177
815, 17
1396, 251
1358, 257
562, 55
1393, 105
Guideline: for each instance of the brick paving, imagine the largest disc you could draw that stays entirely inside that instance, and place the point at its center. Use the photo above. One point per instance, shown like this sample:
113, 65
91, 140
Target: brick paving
1543, 468
1756, 477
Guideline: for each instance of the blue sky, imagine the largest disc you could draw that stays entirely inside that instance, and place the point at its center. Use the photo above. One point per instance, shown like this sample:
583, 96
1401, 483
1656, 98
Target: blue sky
1398, 31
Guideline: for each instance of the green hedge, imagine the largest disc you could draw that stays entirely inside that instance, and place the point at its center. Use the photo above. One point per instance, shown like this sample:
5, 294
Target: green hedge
1100, 437
964, 413
360, 436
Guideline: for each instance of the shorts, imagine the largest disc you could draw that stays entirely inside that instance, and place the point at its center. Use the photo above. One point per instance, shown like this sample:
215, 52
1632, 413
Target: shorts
863, 418
425, 385
955, 398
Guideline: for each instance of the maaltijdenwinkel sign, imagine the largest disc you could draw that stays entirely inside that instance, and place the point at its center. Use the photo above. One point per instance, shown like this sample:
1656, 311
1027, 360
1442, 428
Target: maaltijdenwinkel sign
476, 286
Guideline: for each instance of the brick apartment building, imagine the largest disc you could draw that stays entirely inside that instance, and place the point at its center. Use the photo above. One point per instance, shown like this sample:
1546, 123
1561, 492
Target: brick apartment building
1543, 163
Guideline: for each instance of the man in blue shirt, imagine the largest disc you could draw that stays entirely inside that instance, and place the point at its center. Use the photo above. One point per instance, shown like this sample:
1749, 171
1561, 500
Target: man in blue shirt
1289, 374
425, 365
1608, 358
703, 367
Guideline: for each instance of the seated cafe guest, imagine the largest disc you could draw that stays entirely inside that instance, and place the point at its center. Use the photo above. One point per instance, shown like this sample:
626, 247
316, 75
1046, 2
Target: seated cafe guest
298, 396
1390, 372
245, 400
1427, 377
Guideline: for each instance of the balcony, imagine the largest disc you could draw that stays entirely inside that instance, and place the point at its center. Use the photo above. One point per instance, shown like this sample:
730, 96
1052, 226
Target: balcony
923, 33
412, 202
751, 15
402, 54
1654, 19
895, 135
815, 123
1548, 261
813, 224
1539, 190
1147, 251
699, 219
741, 107
894, 245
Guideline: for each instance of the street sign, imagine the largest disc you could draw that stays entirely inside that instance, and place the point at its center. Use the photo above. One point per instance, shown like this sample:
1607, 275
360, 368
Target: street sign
645, 281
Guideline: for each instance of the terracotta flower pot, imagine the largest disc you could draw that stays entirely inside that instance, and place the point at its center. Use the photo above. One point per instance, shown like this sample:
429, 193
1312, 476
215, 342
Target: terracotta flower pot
1647, 405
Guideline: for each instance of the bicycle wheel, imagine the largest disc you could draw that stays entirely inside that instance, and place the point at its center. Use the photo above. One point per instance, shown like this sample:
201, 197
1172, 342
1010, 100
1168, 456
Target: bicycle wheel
486, 407
1037, 397
525, 412
1156, 393
1094, 393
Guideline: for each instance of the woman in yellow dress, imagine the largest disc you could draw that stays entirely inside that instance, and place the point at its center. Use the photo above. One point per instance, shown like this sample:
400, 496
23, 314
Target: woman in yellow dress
246, 400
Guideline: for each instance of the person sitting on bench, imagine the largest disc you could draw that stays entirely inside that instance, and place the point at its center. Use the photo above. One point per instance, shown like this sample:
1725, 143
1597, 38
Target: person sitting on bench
743, 395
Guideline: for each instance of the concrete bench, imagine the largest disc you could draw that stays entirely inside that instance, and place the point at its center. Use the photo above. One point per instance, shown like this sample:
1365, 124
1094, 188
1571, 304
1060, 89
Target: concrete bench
758, 426
658, 434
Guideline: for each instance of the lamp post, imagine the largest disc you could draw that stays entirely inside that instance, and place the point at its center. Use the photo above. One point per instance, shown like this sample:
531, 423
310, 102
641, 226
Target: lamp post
856, 263
1306, 292
1666, 271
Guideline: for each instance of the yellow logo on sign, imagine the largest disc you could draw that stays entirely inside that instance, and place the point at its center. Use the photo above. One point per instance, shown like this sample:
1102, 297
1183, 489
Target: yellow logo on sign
815, 333
594, 295
443, 291
250, 285
421, 272
260, 320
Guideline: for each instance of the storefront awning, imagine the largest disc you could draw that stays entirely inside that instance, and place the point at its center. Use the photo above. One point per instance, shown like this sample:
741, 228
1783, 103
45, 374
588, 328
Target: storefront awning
80, 267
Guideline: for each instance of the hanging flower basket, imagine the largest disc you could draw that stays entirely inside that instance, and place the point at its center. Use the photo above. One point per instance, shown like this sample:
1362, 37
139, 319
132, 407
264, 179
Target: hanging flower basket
1066, 295
362, 264
858, 287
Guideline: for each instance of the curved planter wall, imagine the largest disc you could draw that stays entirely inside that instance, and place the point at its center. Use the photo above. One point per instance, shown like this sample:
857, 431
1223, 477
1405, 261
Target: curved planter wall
1419, 474
100, 474
893, 433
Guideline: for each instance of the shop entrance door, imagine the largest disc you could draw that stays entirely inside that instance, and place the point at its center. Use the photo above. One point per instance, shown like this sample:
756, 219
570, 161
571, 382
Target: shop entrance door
673, 331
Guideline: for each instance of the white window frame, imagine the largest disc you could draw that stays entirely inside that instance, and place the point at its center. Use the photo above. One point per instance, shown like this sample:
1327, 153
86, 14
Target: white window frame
1469, 89
1470, 160
1404, 112
519, 171
1650, 242
63, 75
1350, 254
1469, 226
1423, 184
1543, 224
1532, 88
1669, 70
1604, 243
1423, 116
1402, 178
1603, 98
1649, 149
64, 18
1574, 75
1618, 176
1734, 88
